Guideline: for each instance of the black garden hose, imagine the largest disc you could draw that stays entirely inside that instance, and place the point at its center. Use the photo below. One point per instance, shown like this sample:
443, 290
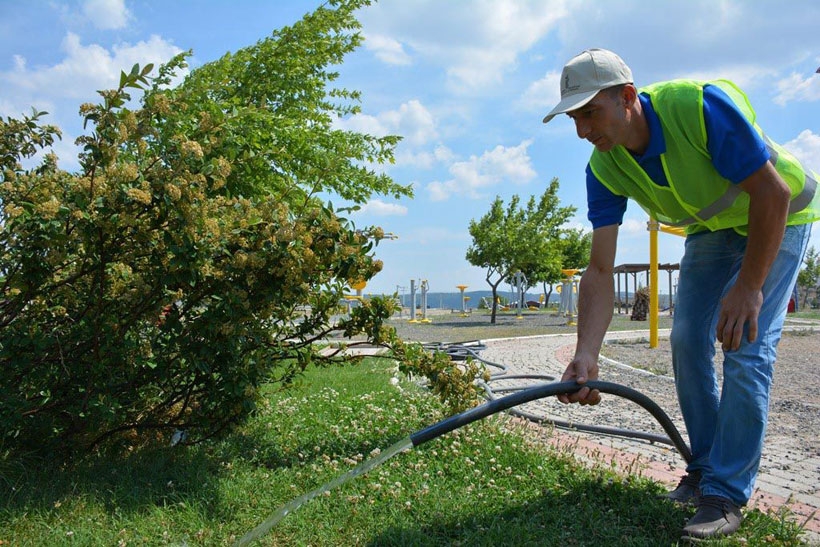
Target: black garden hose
463, 350
548, 390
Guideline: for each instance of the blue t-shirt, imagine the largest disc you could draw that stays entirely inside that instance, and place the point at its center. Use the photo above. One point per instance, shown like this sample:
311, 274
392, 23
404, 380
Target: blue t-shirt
736, 149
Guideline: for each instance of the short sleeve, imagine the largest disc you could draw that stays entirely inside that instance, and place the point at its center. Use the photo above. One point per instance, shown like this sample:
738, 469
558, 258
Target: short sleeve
604, 208
736, 148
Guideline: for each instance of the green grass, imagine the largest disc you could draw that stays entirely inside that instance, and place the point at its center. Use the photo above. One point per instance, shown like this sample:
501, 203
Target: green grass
806, 314
491, 483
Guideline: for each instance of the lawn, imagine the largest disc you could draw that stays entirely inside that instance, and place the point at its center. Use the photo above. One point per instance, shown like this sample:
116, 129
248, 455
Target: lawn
490, 483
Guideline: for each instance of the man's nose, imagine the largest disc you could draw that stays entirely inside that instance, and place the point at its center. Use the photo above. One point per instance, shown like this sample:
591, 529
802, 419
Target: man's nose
581, 128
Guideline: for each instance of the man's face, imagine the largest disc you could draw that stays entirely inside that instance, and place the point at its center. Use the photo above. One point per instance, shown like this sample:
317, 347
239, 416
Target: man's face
602, 121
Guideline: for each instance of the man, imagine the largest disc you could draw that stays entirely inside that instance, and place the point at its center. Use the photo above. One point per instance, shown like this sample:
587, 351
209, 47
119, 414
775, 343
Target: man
691, 154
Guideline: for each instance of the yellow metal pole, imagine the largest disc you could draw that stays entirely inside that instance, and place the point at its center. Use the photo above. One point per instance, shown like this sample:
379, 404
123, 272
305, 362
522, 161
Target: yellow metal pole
653, 227
673, 230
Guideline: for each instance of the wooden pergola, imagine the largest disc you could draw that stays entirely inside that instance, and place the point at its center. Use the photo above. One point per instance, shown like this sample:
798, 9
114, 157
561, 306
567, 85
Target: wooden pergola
635, 269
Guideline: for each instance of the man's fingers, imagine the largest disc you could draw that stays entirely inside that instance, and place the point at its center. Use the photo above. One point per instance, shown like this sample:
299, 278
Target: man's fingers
731, 335
592, 398
720, 326
753, 329
737, 335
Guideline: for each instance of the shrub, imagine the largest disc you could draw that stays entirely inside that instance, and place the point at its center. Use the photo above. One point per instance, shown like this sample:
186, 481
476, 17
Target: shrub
190, 260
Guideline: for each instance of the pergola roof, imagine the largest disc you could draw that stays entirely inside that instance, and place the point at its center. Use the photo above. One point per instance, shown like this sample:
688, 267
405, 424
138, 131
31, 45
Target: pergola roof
635, 268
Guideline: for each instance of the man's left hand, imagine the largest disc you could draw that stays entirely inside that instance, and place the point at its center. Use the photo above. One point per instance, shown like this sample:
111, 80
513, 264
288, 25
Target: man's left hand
741, 305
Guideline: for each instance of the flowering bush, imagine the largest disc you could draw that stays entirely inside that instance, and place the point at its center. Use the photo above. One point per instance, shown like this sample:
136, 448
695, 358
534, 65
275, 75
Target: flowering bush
189, 261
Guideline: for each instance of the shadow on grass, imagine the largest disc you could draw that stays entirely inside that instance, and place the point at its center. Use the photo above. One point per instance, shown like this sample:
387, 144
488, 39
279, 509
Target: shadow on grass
159, 475
592, 513
122, 484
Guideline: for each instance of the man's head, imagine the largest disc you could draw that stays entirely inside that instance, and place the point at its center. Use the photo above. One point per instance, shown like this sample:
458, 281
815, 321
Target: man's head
585, 75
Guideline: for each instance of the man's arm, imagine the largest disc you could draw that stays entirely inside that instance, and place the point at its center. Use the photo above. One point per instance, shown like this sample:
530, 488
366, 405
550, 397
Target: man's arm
768, 208
596, 298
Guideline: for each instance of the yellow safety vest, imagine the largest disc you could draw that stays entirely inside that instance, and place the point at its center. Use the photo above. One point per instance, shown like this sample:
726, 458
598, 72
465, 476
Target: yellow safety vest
698, 197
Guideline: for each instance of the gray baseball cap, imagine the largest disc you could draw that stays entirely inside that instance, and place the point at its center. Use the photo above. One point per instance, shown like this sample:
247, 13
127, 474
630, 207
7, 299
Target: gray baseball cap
585, 75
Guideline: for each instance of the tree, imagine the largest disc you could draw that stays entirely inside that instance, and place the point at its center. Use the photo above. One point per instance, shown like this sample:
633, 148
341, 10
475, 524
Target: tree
269, 110
808, 278
575, 245
190, 261
518, 239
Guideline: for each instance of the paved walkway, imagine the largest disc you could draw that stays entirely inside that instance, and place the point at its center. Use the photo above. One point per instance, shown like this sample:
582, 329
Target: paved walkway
785, 479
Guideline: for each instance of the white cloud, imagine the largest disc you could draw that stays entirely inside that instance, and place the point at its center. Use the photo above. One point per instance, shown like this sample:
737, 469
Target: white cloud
806, 146
440, 191
363, 123
380, 208
731, 37
424, 159
745, 75
475, 42
387, 49
107, 14
796, 88
632, 227
542, 94
411, 120
633, 242
472, 177
83, 70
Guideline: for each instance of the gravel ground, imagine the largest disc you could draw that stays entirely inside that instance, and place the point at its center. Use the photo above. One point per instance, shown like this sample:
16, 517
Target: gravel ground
795, 401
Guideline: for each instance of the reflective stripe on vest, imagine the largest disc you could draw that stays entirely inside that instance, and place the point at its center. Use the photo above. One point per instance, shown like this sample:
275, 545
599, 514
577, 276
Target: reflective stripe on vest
798, 203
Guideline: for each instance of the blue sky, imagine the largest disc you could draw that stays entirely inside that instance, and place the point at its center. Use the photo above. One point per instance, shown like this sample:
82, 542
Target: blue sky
465, 82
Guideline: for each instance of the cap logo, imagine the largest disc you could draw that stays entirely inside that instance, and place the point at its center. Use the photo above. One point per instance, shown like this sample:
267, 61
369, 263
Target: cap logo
566, 88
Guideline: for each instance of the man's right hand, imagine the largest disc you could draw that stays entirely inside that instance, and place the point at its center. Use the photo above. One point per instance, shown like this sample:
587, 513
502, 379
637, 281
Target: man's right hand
581, 369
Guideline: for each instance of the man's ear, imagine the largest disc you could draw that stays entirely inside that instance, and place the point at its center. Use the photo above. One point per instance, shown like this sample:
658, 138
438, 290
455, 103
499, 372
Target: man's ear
629, 94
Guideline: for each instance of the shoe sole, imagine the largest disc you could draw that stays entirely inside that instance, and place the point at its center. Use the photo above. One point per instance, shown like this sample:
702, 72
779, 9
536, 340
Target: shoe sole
689, 540
692, 502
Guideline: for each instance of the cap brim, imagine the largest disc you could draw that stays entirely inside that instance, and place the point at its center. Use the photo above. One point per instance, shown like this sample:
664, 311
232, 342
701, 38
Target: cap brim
572, 102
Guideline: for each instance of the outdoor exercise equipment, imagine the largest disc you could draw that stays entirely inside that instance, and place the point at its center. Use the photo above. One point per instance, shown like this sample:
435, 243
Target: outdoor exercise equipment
461, 288
350, 299
493, 406
520, 280
569, 295
423, 286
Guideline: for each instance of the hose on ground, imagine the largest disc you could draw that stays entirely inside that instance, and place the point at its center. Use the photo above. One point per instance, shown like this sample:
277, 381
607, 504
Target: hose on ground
520, 395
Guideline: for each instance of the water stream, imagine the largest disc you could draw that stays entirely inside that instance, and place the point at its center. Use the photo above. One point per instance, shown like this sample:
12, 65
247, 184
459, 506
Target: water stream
293, 505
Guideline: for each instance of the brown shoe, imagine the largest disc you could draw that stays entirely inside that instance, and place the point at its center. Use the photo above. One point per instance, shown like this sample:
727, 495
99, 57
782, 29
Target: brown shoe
716, 516
688, 490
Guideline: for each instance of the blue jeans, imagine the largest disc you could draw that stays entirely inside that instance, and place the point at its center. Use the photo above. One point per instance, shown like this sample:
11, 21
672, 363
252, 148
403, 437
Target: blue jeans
726, 428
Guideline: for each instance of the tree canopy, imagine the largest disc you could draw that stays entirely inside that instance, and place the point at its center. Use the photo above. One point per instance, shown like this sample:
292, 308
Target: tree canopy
527, 239
808, 278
